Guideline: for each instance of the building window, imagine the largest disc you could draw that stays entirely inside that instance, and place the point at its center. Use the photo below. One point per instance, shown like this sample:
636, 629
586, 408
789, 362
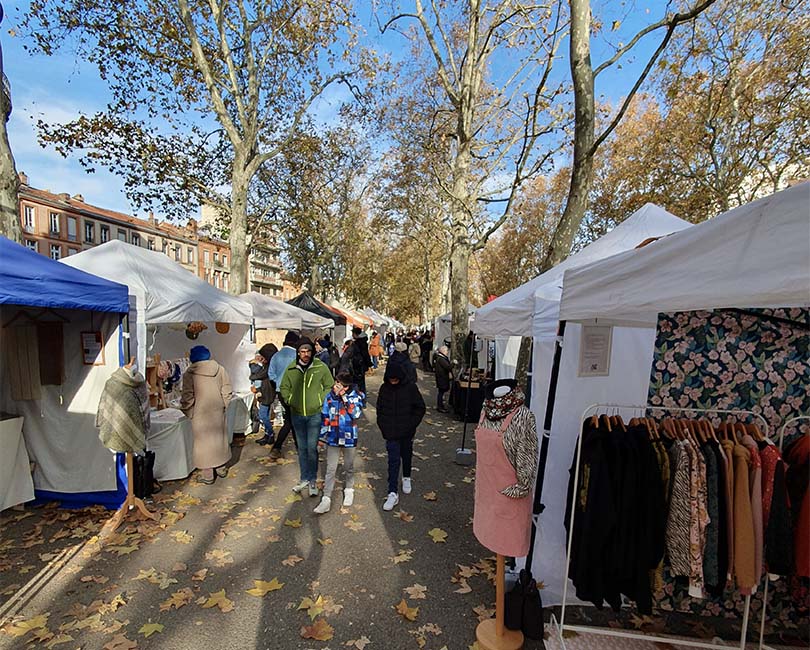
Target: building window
29, 219
54, 223
216, 258
177, 254
72, 229
72, 251
190, 255
224, 282
105, 234
150, 243
224, 260
31, 245
136, 239
122, 235
56, 251
164, 247
89, 232
207, 258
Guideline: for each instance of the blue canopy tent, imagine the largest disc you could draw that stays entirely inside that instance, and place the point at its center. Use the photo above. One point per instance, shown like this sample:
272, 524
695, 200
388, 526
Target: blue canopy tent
28, 279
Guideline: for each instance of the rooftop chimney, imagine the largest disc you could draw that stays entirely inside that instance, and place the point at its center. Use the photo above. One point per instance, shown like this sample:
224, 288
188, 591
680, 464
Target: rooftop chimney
78, 197
152, 217
64, 196
23, 178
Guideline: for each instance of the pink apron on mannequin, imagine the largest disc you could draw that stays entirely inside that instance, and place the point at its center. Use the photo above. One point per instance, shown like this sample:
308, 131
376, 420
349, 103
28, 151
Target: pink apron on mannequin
502, 524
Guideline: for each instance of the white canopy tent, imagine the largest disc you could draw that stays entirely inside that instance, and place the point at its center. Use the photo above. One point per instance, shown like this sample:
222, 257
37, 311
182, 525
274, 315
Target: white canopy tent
269, 313
532, 309
755, 256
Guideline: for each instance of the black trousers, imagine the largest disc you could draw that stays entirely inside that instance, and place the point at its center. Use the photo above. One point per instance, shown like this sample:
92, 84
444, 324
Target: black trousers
285, 429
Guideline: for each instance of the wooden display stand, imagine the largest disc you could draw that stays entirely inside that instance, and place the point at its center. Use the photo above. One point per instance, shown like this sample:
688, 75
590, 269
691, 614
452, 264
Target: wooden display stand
154, 383
131, 501
491, 634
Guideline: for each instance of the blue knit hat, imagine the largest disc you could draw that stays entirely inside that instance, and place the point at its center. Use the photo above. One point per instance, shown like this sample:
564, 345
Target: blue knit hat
199, 353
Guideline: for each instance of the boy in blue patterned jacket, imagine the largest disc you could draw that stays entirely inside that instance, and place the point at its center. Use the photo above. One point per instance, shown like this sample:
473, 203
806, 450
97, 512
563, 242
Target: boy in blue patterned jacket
341, 408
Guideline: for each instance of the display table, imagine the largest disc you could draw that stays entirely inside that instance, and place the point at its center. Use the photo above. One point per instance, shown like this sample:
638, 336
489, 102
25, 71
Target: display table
458, 396
237, 417
172, 440
16, 484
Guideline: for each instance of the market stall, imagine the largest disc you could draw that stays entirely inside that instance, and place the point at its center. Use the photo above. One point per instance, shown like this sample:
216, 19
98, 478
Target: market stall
749, 259
269, 313
61, 339
173, 311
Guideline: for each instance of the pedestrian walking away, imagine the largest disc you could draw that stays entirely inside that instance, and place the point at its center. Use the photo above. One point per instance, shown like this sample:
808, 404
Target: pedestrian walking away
400, 409
342, 407
264, 390
304, 386
275, 371
444, 373
206, 394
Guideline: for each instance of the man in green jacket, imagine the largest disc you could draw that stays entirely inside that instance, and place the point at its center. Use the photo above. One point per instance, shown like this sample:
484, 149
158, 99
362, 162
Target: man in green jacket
305, 384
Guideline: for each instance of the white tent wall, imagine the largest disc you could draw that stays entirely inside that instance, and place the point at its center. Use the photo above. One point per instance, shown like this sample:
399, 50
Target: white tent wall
506, 355
59, 429
628, 383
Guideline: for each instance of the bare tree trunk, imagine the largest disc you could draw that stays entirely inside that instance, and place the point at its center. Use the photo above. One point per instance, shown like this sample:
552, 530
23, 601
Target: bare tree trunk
460, 260
444, 289
582, 169
240, 179
9, 181
428, 292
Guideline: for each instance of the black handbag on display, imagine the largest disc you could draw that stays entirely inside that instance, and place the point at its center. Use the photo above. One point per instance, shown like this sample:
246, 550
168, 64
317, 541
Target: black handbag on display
523, 607
143, 475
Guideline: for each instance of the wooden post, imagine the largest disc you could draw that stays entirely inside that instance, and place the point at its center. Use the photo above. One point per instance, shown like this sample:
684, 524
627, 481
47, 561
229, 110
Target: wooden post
130, 502
491, 634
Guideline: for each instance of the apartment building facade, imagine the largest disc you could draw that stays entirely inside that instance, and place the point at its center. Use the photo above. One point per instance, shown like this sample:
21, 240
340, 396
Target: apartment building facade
59, 225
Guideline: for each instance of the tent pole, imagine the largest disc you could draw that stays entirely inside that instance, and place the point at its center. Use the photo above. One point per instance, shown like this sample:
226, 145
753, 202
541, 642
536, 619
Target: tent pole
538, 506
467, 396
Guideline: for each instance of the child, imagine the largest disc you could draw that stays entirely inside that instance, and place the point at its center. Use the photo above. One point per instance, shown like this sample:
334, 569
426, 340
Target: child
400, 409
341, 408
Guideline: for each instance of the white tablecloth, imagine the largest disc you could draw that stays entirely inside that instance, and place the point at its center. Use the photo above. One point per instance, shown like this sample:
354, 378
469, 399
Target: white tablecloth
16, 485
172, 440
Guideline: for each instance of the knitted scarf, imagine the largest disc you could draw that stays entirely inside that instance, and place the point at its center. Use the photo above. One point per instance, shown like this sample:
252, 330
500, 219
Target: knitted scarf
123, 412
497, 408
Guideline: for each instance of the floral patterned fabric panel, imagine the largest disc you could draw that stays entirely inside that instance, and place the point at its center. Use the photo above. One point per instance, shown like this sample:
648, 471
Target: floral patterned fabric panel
732, 360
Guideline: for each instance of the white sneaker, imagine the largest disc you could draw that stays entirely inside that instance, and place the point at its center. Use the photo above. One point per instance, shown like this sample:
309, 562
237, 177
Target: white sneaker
406, 484
391, 501
348, 497
300, 487
313, 489
323, 506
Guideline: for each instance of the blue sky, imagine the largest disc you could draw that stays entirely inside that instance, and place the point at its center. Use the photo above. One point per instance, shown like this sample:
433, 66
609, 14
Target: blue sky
59, 88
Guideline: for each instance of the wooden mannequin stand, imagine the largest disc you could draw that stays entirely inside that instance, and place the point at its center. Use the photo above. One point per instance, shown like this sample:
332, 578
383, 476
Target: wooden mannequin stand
131, 501
491, 634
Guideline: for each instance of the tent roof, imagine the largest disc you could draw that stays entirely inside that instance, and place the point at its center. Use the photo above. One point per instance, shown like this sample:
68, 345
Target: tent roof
757, 255
532, 308
353, 316
446, 318
28, 278
172, 294
305, 300
272, 313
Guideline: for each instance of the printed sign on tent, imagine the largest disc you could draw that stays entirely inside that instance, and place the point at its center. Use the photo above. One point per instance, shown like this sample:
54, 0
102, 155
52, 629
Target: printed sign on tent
594, 351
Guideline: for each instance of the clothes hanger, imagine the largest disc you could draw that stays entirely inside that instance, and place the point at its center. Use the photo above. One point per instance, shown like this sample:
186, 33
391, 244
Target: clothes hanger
604, 419
753, 429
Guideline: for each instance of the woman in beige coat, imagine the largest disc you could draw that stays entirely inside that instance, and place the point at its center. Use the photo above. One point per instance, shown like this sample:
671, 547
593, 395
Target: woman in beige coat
206, 394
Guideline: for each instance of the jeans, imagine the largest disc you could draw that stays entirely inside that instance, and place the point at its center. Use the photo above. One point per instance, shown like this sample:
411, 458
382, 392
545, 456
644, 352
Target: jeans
332, 457
307, 428
374, 362
264, 416
285, 429
398, 450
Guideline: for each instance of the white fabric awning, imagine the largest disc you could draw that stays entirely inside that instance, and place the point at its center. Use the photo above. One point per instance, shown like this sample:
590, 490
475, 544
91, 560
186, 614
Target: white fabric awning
532, 309
757, 255
269, 313
171, 293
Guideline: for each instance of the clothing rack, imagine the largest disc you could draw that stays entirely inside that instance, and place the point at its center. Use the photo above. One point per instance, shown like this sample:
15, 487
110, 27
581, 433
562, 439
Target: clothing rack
780, 444
560, 625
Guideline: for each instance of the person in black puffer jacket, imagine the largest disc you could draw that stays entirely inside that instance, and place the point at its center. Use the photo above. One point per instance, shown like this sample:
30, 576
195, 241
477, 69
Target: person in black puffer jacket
444, 373
400, 358
400, 409
264, 389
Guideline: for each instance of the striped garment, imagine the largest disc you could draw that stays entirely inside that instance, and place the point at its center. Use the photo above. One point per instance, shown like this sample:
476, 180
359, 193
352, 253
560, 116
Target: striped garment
520, 445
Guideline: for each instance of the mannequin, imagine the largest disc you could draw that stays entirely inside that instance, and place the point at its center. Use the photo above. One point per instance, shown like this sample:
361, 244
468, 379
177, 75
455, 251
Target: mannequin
506, 465
123, 410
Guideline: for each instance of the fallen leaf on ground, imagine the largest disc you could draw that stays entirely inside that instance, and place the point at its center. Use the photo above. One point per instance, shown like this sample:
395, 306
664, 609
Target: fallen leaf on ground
97, 579
182, 537
219, 599
360, 643
483, 612
199, 576
405, 555
465, 588
356, 526
262, 587
23, 627
178, 599
429, 496
293, 523
272, 539
292, 498
123, 550
59, 639
438, 535
325, 542
320, 631
220, 557
405, 516
416, 592
292, 560
409, 613
150, 628
466, 571
179, 566
120, 642
313, 607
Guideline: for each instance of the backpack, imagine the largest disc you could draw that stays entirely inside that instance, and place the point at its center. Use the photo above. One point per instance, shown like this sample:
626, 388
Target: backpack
334, 357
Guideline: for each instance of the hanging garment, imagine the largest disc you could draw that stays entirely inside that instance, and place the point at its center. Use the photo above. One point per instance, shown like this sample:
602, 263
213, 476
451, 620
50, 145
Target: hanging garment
755, 485
779, 530
123, 412
723, 529
744, 553
798, 476
501, 523
727, 447
711, 569
678, 520
21, 362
